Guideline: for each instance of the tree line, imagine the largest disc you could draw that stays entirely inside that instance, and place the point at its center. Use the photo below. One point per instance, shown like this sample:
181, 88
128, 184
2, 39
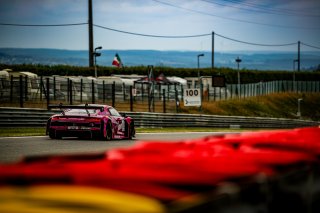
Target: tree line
247, 76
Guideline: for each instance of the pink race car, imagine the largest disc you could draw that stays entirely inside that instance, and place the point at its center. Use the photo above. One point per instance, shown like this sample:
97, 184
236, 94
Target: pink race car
92, 120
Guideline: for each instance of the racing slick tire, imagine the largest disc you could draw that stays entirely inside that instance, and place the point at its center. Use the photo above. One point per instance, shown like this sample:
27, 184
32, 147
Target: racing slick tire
108, 136
53, 135
132, 131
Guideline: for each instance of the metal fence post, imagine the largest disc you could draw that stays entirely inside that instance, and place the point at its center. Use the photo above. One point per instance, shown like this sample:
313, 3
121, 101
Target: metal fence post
54, 88
149, 98
48, 93
164, 100
21, 91
11, 88
70, 90
208, 92
92, 91
103, 91
131, 100
159, 89
177, 99
26, 88
41, 89
113, 93
81, 89
124, 91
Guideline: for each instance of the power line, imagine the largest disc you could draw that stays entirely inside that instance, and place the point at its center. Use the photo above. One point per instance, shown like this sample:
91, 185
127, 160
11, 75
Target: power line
192, 36
234, 19
157, 36
149, 35
308, 45
42, 25
253, 7
255, 44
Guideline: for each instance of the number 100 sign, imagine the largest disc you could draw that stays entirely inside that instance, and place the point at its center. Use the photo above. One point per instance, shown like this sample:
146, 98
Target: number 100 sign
191, 97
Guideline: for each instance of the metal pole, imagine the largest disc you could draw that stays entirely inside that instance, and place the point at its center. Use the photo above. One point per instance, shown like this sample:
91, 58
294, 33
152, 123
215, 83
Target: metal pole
212, 52
131, 99
103, 91
21, 91
164, 100
90, 25
298, 56
199, 68
198, 72
95, 65
113, 93
81, 89
26, 88
238, 60
92, 92
54, 88
48, 93
11, 88
294, 75
70, 96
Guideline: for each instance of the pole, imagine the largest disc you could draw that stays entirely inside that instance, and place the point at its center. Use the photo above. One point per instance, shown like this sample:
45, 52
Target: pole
164, 100
131, 99
239, 92
95, 65
48, 93
212, 52
93, 92
198, 72
238, 60
90, 29
21, 91
298, 56
199, 55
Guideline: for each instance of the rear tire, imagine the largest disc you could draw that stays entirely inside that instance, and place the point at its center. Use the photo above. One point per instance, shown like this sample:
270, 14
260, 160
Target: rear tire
108, 136
132, 131
53, 135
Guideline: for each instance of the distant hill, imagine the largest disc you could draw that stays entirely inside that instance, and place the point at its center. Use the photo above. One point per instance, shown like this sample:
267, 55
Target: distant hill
187, 59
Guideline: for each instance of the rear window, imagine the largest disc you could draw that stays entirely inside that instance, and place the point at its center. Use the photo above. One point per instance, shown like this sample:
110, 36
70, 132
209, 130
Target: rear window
81, 111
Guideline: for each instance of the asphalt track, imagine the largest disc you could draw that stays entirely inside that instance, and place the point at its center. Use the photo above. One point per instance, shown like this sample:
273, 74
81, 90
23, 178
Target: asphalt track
13, 149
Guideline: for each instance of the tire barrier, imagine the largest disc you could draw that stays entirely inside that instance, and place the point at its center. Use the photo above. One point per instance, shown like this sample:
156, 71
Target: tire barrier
28, 117
265, 171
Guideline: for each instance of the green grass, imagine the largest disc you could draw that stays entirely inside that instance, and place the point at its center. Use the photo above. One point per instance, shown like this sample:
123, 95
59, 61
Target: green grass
18, 132
279, 105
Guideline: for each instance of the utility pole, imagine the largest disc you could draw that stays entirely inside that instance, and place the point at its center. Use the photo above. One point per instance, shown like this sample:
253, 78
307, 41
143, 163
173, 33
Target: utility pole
90, 25
212, 52
238, 60
298, 56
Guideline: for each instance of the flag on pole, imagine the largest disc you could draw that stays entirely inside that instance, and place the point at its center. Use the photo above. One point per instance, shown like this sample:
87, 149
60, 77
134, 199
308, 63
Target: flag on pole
117, 61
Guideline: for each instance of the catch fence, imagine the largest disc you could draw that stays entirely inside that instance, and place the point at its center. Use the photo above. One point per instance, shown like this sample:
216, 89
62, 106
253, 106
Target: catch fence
39, 92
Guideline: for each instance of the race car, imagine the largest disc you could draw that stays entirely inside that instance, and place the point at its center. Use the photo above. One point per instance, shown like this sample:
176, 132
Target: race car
90, 121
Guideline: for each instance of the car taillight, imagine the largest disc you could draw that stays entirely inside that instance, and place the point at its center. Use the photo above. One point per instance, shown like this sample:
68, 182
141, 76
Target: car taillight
93, 120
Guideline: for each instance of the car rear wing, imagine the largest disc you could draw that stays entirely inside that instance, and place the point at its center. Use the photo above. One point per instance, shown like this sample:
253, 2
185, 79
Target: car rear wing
86, 107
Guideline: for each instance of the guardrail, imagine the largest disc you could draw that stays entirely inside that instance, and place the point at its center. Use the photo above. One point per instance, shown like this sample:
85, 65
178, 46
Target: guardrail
30, 117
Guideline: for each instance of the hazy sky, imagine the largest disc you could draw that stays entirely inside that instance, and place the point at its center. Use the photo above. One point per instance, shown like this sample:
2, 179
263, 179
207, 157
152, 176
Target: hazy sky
255, 21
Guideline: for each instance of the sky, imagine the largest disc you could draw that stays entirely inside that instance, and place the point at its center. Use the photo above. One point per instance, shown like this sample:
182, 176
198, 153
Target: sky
261, 22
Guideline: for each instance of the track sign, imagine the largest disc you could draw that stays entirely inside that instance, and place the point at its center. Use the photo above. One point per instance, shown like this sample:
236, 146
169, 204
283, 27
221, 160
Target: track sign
192, 97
